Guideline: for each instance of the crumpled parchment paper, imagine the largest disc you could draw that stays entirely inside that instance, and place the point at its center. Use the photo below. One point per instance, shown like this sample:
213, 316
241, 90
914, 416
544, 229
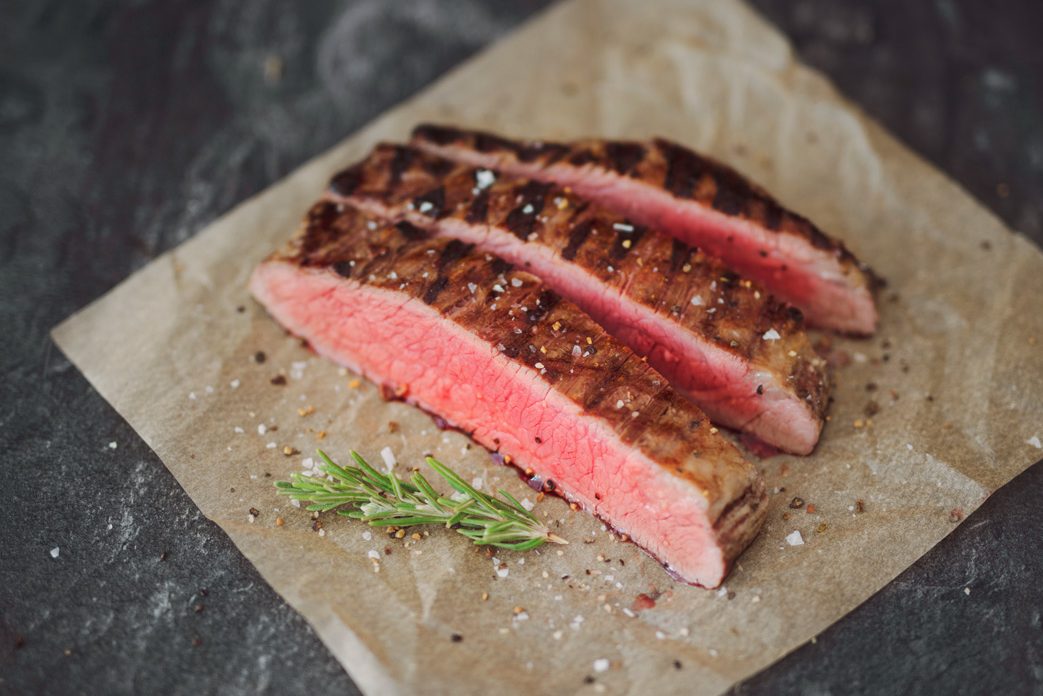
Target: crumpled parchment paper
957, 377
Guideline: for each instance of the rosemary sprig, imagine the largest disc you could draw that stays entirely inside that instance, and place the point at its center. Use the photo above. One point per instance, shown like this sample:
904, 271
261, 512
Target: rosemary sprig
384, 500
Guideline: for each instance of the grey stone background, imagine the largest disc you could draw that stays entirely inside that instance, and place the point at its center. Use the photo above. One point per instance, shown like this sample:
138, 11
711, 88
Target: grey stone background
127, 125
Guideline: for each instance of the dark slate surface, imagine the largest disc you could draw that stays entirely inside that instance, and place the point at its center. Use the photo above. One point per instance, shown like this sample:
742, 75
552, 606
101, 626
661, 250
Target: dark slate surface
126, 126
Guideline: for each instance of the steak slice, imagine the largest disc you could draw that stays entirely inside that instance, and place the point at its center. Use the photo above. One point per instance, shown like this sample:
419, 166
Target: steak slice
742, 356
465, 335
698, 200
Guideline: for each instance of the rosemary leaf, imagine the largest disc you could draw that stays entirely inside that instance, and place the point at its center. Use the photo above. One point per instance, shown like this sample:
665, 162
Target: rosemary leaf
361, 492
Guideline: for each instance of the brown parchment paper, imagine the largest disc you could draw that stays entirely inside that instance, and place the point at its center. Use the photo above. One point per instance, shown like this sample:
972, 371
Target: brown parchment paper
960, 391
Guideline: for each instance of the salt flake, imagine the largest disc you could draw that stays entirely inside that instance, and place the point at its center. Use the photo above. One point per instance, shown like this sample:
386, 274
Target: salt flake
771, 335
54, 552
1034, 441
484, 178
794, 538
601, 665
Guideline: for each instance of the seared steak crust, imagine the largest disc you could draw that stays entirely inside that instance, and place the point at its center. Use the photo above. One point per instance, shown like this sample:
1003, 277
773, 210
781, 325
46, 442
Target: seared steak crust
686, 176
674, 280
512, 311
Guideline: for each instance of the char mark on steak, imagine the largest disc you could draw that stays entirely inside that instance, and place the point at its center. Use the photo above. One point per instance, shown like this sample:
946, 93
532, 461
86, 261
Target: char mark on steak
743, 357
700, 201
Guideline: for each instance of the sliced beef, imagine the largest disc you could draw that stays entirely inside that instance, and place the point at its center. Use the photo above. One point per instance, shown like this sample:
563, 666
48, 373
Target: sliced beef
743, 357
699, 200
489, 348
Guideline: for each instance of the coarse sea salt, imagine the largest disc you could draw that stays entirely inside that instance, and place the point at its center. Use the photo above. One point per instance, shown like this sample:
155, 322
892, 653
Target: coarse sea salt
54, 552
484, 178
112, 445
794, 538
771, 335
697, 301
1034, 441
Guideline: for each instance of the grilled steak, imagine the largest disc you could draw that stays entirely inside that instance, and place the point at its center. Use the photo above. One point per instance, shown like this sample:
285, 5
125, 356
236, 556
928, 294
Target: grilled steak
698, 200
489, 348
743, 357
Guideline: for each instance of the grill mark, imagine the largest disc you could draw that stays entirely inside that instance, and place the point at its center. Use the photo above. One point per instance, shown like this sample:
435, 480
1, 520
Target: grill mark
522, 219
683, 169
487, 142
598, 389
679, 255
551, 152
772, 215
619, 247
727, 199
577, 237
582, 157
400, 162
346, 182
319, 229
434, 200
521, 223
451, 253
440, 135
500, 267
433, 290
437, 167
547, 300
410, 231
478, 211
624, 156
